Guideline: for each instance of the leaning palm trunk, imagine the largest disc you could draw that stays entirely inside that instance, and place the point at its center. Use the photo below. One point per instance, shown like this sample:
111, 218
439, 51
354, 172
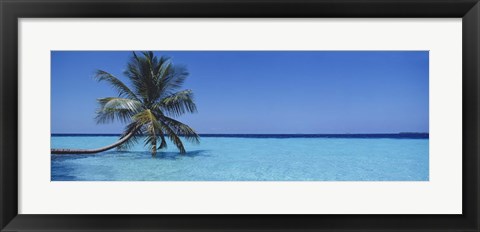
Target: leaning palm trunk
91, 151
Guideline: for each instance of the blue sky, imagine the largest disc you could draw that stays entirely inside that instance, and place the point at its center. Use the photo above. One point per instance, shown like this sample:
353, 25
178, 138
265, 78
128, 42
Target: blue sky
263, 92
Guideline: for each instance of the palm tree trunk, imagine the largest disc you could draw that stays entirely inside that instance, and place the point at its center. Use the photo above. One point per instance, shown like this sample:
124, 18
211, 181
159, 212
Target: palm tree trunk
91, 151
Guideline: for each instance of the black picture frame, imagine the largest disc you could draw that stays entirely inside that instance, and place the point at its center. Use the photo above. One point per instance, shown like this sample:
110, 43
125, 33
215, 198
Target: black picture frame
12, 10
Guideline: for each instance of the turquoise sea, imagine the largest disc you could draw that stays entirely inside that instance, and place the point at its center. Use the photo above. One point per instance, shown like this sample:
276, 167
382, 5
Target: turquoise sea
393, 157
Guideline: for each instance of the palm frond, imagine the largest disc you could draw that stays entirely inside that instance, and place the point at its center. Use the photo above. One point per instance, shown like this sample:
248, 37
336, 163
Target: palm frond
181, 129
162, 68
174, 138
123, 90
112, 108
120, 103
134, 128
174, 78
163, 142
139, 72
177, 104
109, 115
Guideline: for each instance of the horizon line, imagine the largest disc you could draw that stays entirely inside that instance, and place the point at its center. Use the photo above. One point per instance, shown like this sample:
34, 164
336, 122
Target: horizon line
381, 133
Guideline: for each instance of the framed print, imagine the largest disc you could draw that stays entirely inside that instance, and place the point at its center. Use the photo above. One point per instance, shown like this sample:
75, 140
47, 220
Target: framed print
246, 116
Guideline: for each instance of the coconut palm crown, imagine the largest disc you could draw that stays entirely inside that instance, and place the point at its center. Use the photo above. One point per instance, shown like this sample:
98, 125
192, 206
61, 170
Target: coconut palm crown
150, 104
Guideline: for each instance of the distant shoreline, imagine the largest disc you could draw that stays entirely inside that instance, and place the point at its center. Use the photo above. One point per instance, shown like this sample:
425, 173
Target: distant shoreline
377, 135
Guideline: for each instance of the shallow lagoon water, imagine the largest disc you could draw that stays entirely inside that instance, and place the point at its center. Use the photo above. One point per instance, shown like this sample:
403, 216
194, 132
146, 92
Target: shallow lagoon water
248, 159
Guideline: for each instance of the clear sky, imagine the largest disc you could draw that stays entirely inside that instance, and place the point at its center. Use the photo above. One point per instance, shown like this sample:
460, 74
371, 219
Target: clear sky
263, 92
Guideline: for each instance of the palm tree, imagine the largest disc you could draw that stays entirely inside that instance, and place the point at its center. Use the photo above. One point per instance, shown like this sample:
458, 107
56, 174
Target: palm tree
149, 106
